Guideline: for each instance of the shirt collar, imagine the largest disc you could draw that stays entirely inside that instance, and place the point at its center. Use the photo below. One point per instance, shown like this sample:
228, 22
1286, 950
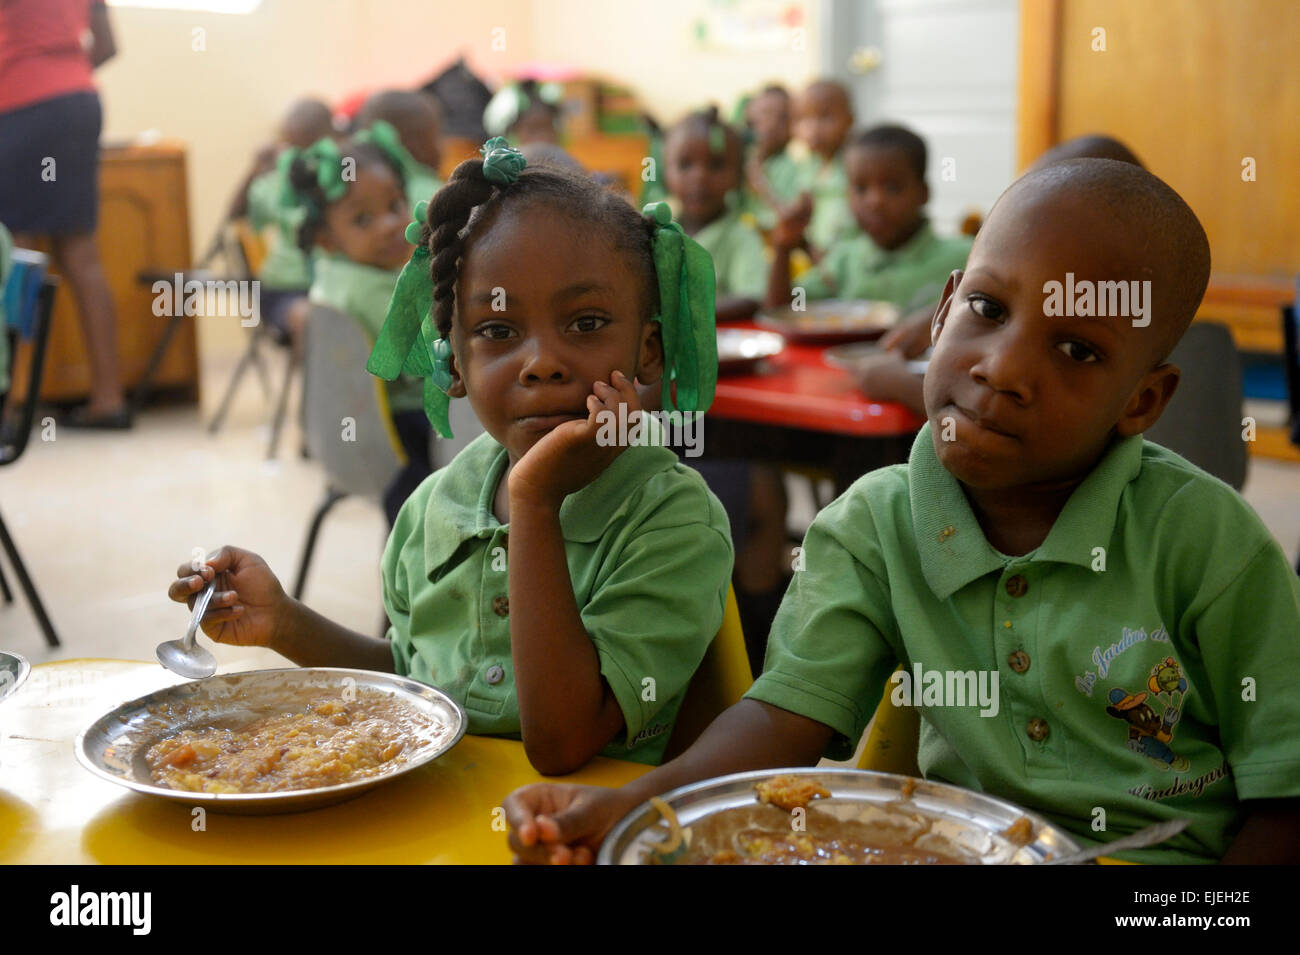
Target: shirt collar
917, 247
461, 506
953, 549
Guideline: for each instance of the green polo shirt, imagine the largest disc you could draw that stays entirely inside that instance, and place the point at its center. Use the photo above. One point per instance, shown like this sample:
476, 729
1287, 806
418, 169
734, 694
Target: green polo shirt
649, 555
285, 266
739, 261
363, 292
1158, 684
911, 276
781, 171
829, 185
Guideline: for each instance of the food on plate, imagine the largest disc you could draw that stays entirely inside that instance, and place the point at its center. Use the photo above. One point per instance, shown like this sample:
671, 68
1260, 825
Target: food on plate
1020, 832
790, 792
325, 738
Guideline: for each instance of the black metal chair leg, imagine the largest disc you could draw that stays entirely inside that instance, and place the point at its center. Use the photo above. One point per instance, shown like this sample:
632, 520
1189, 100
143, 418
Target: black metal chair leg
4, 587
281, 405
332, 497
224, 407
146, 380
29, 589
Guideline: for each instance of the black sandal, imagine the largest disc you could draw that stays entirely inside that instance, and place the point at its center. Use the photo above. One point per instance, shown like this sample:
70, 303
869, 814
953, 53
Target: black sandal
119, 420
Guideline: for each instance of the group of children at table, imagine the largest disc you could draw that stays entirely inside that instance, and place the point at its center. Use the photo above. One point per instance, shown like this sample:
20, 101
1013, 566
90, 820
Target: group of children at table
565, 590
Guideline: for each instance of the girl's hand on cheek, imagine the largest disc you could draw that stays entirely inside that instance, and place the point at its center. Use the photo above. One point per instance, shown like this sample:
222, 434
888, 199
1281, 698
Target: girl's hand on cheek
570, 457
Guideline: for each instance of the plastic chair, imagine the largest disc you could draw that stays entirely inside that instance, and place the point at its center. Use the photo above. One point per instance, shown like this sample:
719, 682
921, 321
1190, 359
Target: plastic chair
29, 296
722, 679
893, 740
1203, 420
348, 427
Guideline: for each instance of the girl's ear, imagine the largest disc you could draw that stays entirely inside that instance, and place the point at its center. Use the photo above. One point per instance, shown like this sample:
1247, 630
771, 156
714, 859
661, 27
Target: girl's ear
457, 389
650, 359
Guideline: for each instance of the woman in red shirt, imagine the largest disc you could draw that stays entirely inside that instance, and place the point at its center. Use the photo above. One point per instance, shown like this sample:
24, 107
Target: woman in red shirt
50, 121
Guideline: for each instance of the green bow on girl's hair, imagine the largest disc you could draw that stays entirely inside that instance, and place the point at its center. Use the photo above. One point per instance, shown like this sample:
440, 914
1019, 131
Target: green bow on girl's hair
325, 161
686, 319
384, 136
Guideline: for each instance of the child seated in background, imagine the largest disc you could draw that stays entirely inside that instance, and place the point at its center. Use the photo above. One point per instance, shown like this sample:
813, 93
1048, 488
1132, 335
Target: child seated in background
770, 172
1125, 598
885, 375
702, 172
823, 118
894, 256
525, 112
561, 589
356, 230
417, 118
285, 273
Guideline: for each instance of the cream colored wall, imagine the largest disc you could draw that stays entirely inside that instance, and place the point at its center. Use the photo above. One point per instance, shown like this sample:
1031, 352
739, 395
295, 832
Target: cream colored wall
226, 100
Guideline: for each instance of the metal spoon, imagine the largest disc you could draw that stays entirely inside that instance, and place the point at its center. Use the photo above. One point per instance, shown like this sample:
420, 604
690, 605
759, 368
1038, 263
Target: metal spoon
1139, 840
185, 656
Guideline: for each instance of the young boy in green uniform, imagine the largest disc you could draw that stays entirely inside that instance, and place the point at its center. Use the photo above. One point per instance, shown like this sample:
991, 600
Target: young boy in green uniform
771, 173
895, 256
1142, 624
823, 117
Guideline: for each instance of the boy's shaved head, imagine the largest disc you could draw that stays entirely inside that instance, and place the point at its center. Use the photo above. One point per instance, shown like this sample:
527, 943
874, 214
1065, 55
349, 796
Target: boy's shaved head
402, 108
1133, 205
829, 90
1091, 146
307, 121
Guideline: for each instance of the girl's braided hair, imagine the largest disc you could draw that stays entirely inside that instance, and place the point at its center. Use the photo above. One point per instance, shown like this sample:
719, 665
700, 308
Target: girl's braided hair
465, 207
311, 197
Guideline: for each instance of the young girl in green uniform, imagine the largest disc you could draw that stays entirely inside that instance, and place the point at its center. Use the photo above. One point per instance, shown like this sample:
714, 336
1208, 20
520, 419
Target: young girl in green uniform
353, 222
562, 589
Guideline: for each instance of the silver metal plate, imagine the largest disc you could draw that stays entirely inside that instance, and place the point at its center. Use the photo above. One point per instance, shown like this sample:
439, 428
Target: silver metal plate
829, 321
115, 745
740, 348
13, 671
961, 818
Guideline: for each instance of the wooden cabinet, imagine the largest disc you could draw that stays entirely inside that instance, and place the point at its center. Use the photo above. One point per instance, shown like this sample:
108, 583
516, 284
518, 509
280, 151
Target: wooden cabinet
144, 225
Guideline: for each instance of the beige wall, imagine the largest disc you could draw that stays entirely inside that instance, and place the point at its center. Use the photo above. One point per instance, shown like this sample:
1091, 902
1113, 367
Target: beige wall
226, 100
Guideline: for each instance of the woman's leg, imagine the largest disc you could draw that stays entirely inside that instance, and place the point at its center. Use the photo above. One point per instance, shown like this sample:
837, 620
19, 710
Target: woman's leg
78, 259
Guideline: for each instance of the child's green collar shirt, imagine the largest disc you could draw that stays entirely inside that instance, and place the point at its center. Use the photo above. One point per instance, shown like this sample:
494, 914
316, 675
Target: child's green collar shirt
738, 258
1146, 654
649, 554
911, 276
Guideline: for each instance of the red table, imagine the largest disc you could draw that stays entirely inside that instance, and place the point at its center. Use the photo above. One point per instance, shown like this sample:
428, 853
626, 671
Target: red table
798, 411
798, 389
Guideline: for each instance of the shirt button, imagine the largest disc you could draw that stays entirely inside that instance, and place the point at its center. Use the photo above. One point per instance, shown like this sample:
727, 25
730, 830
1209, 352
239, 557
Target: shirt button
1038, 730
1019, 661
1017, 586
495, 675
501, 606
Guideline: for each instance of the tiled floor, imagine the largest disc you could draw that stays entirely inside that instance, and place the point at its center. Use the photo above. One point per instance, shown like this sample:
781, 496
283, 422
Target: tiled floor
104, 519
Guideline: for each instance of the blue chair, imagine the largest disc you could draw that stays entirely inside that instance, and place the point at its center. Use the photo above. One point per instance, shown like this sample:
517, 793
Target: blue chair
29, 304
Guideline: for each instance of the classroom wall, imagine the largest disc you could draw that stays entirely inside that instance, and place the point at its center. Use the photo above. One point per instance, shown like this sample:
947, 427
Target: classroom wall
227, 98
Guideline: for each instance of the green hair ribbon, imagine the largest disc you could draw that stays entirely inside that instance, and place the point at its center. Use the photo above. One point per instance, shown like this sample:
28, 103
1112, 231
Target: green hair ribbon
686, 319
326, 163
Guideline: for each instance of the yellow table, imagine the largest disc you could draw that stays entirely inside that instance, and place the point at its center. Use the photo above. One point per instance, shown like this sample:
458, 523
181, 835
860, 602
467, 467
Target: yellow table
52, 810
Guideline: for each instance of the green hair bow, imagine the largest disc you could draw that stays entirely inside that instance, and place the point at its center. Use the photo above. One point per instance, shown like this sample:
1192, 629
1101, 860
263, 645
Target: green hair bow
408, 342
325, 161
686, 318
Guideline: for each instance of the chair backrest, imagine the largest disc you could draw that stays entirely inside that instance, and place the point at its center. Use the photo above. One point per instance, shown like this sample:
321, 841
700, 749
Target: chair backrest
348, 427
252, 247
893, 739
1203, 420
29, 306
720, 682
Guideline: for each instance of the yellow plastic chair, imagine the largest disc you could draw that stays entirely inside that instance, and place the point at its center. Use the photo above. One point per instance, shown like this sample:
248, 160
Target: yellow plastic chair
893, 739
720, 682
